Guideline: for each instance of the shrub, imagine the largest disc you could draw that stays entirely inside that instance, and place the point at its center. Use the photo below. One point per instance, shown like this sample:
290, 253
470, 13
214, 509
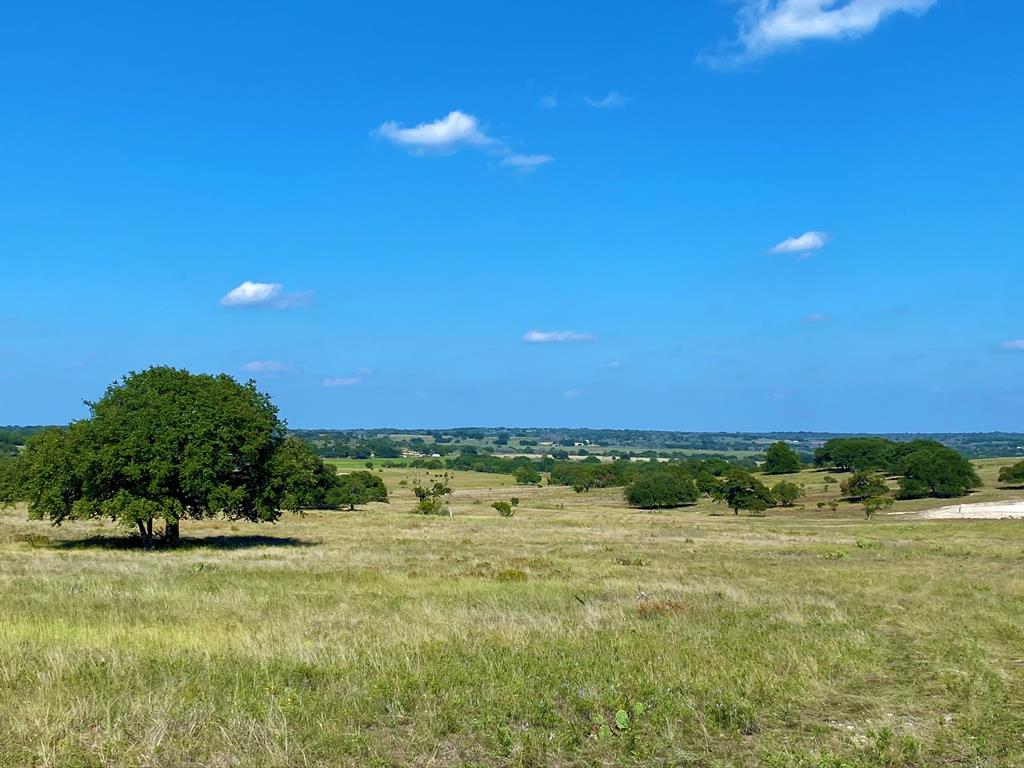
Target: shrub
504, 508
1012, 475
876, 504
786, 493
433, 500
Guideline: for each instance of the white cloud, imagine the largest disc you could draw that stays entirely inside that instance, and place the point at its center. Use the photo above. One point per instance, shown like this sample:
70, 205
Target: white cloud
816, 317
572, 394
527, 162
615, 364
804, 244
1014, 344
766, 26
548, 102
250, 294
346, 381
547, 337
613, 100
453, 129
266, 366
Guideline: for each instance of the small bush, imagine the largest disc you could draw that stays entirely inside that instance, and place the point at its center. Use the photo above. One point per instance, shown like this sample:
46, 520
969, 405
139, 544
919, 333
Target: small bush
504, 508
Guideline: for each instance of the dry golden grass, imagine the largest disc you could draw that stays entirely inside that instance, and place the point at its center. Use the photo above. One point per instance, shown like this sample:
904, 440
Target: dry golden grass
382, 638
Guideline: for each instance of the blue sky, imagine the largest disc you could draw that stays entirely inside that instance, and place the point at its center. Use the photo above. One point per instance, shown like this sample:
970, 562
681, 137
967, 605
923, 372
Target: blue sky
781, 214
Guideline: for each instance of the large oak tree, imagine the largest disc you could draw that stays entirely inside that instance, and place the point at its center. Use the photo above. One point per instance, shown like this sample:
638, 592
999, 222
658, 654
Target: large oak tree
167, 445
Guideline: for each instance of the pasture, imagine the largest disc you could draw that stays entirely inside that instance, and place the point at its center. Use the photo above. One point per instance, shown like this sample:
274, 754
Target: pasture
578, 633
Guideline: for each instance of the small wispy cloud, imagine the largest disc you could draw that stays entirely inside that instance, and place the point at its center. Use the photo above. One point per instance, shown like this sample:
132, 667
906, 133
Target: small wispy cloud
266, 367
611, 100
455, 130
554, 337
548, 102
766, 26
1014, 344
272, 295
445, 133
572, 394
804, 244
615, 364
347, 381
526, 162
816, 317
250, 294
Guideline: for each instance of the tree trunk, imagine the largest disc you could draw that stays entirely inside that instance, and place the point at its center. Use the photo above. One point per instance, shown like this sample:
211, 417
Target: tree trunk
146, 531
172, 531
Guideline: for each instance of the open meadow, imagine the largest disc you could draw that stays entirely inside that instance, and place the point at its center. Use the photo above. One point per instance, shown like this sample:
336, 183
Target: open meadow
577, 633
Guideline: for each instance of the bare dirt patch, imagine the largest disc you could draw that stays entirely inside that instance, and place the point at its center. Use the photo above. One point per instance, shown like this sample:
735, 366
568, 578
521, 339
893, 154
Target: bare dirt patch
990, 510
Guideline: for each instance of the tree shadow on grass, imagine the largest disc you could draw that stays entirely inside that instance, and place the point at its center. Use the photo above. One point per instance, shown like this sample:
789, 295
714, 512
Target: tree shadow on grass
186, 543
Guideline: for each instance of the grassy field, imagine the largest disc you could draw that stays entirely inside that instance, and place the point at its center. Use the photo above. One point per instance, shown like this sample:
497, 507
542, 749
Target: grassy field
579, 633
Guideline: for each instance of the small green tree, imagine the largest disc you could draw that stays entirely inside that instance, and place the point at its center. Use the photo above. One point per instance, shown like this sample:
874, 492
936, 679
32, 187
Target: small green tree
874, 504
433, 499
357, 488
1012, 475
862, 485
741, 490
787, 493
527, 476
781, 459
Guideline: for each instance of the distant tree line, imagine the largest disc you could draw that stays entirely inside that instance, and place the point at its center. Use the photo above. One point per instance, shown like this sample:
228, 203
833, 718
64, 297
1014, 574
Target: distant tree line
341, 448
8, 445
12, 438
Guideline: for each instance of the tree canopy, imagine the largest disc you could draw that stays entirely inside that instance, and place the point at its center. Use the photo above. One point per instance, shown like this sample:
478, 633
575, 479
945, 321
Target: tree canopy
864, 485
356, 488
781, 459
787, 493
166, 444
855, 453
741, 490
1012, 475
662, 490
934, 470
